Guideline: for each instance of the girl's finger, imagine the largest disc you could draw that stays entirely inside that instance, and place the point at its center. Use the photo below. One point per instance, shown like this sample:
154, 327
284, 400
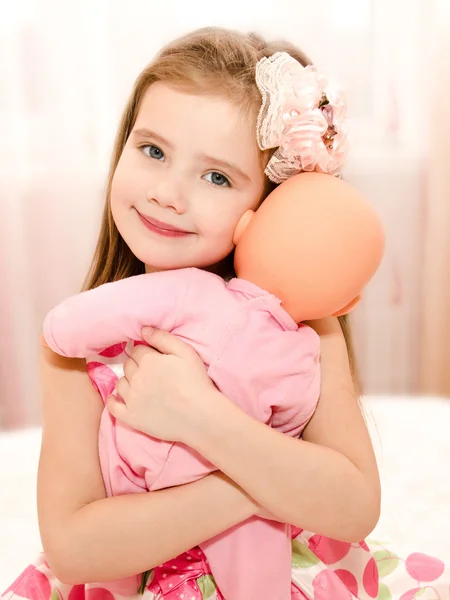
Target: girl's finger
129, 368
117, 409
122, 389
140, 351
167, 343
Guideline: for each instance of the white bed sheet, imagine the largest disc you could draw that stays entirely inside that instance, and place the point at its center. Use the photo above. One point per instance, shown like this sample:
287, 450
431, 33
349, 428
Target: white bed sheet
413, 449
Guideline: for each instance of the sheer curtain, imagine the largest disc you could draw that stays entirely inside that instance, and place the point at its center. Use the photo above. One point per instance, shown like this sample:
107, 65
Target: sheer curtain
65, 72
435, 322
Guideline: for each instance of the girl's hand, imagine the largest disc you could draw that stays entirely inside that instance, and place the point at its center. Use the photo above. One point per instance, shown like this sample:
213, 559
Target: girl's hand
165, 391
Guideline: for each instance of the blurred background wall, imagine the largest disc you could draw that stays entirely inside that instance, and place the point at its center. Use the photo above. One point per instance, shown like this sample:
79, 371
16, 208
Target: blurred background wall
66, 70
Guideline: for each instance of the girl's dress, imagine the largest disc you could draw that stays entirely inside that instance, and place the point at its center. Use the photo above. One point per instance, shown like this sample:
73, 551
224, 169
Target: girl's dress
322, 569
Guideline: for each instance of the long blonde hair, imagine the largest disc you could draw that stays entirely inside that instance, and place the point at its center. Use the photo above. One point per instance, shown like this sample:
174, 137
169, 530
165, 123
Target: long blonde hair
213, 61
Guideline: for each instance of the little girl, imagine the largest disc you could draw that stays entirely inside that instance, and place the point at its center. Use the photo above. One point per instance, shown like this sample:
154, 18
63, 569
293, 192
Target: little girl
185, 167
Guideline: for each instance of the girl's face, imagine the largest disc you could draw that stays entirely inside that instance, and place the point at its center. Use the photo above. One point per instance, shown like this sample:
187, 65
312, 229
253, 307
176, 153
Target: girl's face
189, 170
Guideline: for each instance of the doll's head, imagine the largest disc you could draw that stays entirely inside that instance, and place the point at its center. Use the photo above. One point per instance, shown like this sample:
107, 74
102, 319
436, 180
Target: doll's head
314, 243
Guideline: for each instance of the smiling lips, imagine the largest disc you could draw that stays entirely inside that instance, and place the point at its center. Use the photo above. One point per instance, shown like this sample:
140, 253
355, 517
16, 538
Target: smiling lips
161, 228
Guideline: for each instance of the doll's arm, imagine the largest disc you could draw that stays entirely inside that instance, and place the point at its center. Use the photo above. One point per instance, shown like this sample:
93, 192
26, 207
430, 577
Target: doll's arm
89, 322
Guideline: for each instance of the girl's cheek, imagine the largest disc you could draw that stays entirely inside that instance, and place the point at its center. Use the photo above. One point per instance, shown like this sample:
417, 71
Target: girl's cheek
125, 191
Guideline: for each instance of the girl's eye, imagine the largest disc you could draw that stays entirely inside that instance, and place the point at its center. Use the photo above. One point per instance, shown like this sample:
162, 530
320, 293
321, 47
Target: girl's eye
153, 152
218, 179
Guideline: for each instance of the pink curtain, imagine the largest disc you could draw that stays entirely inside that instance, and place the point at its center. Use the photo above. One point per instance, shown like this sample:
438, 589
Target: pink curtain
435, 321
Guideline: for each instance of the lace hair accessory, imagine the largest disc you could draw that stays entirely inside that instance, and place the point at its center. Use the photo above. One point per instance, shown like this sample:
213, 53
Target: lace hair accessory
302, 115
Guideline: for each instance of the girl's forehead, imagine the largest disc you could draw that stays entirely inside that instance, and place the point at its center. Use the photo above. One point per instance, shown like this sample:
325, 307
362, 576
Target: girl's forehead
163, 98
208, 122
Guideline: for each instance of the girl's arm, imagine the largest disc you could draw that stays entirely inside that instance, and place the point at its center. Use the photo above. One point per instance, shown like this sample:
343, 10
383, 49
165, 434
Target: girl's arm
327, 482
87, 537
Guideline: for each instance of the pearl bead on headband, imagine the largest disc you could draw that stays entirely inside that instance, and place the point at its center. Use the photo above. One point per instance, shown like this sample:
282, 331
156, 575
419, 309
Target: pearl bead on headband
302, 115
